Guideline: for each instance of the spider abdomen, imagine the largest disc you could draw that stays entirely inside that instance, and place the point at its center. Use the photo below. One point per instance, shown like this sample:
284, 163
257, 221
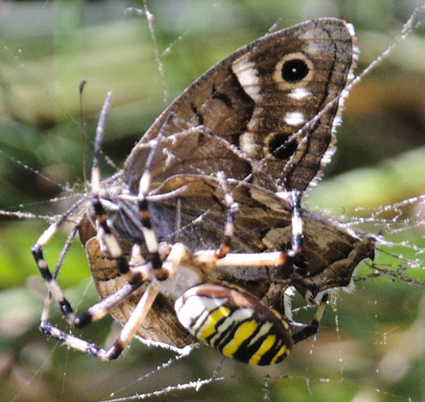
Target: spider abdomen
235, 323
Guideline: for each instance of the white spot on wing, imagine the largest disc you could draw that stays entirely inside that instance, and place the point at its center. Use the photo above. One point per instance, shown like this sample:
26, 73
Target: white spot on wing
299, 93
294, 118
247, 76
350, 28
248, 144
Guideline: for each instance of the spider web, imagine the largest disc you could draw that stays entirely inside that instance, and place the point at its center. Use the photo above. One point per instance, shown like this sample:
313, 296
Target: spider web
367, 347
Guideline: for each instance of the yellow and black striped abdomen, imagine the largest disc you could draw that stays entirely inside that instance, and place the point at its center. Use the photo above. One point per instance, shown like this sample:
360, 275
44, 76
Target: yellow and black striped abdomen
235, 323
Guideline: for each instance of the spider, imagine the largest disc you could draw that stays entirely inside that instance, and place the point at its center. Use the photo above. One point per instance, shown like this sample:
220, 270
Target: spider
231, 301
201, 234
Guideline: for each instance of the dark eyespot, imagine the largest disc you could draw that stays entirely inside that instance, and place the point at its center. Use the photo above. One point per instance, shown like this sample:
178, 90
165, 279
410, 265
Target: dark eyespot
294, 70
281, 148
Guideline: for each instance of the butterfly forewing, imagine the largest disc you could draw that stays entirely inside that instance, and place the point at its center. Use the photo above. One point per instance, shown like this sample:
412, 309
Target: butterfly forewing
265, 114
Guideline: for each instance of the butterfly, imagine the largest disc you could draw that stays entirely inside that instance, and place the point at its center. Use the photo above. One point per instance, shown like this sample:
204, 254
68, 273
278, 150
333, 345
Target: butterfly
201, 234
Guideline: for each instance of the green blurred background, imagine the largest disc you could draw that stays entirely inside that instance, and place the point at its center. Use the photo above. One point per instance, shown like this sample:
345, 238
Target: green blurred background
370, 347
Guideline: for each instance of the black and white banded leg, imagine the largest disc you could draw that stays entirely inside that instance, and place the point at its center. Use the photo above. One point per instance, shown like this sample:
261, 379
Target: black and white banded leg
110, 245
279, 258
274, 258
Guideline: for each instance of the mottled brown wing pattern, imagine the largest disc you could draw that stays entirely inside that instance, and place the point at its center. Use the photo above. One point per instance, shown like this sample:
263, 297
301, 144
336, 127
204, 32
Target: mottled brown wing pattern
265, 114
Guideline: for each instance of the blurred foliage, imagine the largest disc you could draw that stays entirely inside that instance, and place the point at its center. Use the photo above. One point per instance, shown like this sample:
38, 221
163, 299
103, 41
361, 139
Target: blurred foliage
368, 347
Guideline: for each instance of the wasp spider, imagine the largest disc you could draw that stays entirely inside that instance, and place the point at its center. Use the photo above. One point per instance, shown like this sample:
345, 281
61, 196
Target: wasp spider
182, 290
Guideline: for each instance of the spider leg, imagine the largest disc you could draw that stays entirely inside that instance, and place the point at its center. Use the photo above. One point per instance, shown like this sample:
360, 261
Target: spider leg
142, 202
105, 235
312, 328
94, 313
50, 279
177, 254
215, 258
112, 247
109, 243
297, 226
273, 258
98, 311
231, 210
148, 233
64, 251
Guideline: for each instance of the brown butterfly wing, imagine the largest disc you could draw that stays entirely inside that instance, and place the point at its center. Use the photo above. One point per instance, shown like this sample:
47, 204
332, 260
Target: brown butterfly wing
265, 114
